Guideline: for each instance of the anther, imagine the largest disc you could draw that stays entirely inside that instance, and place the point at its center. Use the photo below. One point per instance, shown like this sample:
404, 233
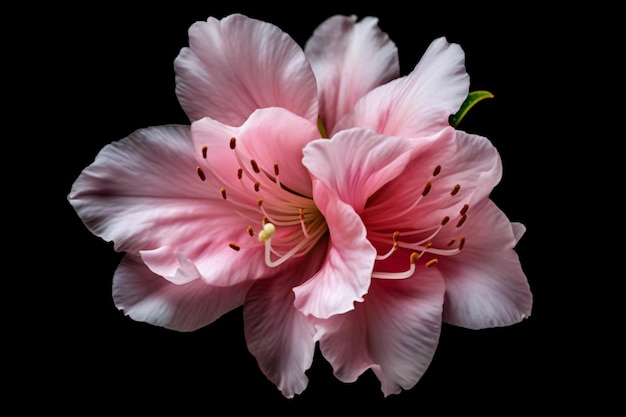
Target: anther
445, 220
234, 246
200, 173
437, 170
455, 189
255, 167
414, 257
303, 225
233, 143
223, 191
431, 262
250, 231
204, 151
426, 188
451, 242
396, 236
464, 210
240, 173
461, 242
257, 186
461, 221
275, 169
259, 202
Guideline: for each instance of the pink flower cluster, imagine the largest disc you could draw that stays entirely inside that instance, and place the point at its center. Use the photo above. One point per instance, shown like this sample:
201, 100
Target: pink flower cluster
317, 189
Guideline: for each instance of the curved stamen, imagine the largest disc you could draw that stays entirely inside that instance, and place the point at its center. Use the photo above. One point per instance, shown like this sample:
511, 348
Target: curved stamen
399, 275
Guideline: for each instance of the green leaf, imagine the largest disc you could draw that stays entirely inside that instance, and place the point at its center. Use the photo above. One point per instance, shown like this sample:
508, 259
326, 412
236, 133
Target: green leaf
472, 98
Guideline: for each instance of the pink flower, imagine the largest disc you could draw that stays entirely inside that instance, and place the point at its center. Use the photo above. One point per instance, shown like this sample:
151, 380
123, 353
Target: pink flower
330, 240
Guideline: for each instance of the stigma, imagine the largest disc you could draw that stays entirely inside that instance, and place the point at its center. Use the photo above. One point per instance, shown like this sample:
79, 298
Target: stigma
286, 224
425, 245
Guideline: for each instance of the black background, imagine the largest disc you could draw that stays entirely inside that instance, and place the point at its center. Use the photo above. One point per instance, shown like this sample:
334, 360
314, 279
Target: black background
103, 71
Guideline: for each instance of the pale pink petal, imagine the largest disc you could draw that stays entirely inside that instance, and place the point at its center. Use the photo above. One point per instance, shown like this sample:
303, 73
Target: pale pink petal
485, 283
276, 137
345, 275
349, 59
270, 137
355, 163
145, 296
420, 103
143, 182
395, 332
278, 335
143, 193
238, 64
518, 230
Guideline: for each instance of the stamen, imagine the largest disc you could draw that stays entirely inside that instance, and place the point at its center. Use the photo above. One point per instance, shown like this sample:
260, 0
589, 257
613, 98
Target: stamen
394, 247
445, 220
200, 173
250, 231
257, 186
240, 173
233, 143
255, 167
461, 221
437, 170
223, 191
234, 246
276, 172
399, 275
259, 202
204, 151
455, 189
431, 262
426, 188
302, 224
461, 242
451, 242
464, 210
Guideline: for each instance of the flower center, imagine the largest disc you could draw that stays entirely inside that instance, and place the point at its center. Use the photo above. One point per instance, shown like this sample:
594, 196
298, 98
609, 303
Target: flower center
286, 222
426, 243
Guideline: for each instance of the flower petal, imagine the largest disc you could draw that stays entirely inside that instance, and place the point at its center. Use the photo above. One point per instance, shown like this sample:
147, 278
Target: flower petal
345, 275
485, 284
355, 163
277, 137
469, 161
420, 103
278, 335
238, 64
395, 331
145, 296
144, 194
134, 183
349, 59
